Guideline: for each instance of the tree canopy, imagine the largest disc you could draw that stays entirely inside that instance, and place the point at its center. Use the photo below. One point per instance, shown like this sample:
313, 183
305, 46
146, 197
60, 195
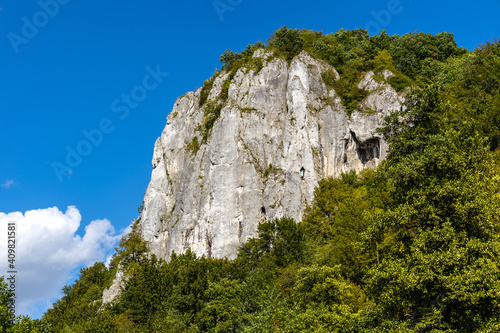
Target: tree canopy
412, 246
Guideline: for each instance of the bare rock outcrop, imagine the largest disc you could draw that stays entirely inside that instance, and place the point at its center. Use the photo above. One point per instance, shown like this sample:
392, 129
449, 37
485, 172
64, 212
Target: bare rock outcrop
280, 131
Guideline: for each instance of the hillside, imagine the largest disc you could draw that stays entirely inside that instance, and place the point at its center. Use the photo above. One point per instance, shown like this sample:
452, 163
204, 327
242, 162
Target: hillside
316, 183
252, 144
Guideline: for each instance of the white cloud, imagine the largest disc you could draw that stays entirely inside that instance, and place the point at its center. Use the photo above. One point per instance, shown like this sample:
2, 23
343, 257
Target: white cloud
48, 250
8, 183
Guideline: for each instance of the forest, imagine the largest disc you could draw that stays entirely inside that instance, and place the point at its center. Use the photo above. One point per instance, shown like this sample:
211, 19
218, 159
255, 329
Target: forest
412, 246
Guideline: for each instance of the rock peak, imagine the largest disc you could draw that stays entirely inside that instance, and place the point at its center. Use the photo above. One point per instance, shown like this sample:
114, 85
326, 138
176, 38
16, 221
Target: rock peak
254, 149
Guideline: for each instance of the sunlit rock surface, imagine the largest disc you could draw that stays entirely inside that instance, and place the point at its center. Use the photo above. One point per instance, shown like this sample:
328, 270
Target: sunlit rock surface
280, 132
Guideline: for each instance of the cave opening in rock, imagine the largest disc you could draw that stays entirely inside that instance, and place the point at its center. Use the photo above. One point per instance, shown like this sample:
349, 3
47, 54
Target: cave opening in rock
368, 150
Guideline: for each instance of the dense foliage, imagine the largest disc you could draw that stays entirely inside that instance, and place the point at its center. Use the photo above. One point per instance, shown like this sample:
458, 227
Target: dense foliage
414, 58
413, 246
5, 299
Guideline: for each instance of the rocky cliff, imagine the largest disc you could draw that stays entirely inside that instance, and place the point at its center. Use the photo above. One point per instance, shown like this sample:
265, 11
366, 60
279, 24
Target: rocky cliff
280, 130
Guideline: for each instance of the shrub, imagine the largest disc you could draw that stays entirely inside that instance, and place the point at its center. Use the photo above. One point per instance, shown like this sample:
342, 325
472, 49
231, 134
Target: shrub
287, 41
400, 82
229, 57
348, 90
329, 77
205, 90
212, 113
193, 146
383, 60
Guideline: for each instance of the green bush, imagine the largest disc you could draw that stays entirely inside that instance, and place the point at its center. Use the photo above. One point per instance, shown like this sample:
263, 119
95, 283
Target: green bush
346, 87
193, 146
329, 78
400, 82
224, 93
212, 113
287, 41
103, 323
205, 90
410, 50
5, 301
229, 57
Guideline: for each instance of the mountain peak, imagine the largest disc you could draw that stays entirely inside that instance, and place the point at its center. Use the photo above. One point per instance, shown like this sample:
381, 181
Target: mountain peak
252, 145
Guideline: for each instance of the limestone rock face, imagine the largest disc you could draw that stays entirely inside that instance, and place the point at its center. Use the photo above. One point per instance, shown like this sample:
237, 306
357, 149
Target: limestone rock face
280, 131
109, 294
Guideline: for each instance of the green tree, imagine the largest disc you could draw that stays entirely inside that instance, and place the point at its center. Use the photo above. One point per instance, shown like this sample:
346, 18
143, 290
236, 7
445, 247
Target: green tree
474, 96
82, 300
130, 252
6, 299
178, 287
104, 322
43, 326
409, 50
227, 307
320, 301
336, 221
438, 236
24, 324
5, 302
280, 240
287, 41
229, 57
144, 292
383, 60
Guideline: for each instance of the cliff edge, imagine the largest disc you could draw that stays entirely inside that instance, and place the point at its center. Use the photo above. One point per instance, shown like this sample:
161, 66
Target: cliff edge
255, 150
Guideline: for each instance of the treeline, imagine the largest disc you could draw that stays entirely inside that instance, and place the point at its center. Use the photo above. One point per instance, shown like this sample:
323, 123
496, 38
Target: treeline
413, 246
413, 58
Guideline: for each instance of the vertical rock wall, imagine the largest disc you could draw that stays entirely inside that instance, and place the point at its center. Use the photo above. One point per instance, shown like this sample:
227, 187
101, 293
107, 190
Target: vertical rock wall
280, 132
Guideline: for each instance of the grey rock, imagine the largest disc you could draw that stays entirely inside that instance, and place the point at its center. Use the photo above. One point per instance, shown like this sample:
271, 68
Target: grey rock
109, 294
279, 133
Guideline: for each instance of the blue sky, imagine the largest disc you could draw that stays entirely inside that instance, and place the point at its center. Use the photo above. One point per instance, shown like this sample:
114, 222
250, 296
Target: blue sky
66, 67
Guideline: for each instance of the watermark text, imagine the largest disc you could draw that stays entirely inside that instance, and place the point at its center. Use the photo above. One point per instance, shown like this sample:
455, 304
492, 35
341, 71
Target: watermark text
383, 17
223, 6
11, 264
31, 26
